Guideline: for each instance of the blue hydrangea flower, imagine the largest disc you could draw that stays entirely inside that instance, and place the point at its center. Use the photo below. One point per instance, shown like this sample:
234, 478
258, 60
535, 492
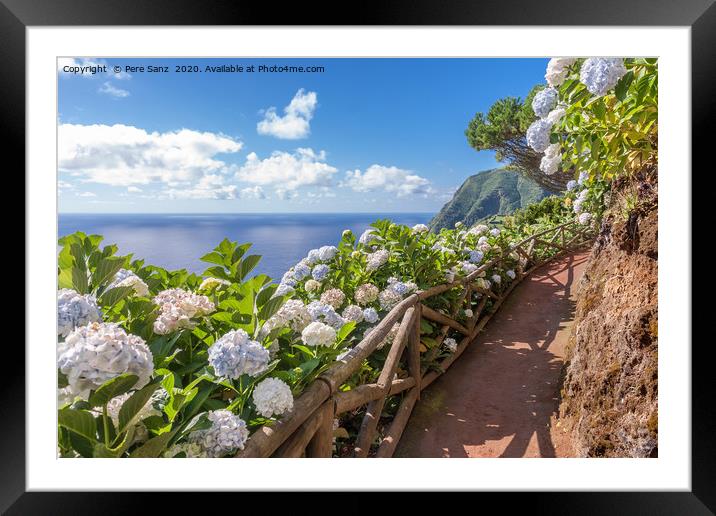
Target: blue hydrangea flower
320, 272
571, 185
538, 135
301, 270
370, 315
544, 101
600, 75
74, 309
235, 354
313, 257
476, 256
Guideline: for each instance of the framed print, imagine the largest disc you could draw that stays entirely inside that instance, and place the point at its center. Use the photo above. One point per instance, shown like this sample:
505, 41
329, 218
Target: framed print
455, 242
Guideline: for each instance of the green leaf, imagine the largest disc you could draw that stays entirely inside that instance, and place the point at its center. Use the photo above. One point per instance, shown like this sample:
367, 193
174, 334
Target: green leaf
79, 422
81, 445
112, 388
214, 257
247, 265
114, 295
102, 451
154, 446
195, 404
345, 331
133, 405
106, 269
270, 307
79, 280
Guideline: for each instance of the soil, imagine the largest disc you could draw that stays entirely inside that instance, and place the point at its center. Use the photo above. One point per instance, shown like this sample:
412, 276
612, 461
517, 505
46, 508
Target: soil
501, 397
610, 393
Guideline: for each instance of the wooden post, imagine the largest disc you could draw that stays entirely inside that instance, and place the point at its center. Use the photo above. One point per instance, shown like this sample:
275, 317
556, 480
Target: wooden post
321, 444
433, 315
368, 427
414, 349
395, 431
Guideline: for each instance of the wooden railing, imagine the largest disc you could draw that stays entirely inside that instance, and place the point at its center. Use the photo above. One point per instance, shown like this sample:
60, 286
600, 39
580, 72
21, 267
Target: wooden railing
308, 429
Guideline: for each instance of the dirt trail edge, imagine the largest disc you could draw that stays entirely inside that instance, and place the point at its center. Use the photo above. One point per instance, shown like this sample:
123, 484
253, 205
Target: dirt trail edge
501, 397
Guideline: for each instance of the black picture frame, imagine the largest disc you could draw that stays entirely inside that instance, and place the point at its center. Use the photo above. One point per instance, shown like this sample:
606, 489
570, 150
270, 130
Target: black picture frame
700, 15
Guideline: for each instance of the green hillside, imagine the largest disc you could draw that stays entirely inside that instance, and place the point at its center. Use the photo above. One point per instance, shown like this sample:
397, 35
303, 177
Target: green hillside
491, 192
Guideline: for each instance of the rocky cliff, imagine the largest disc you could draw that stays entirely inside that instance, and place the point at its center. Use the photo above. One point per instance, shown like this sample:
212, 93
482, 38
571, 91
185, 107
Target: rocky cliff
610, 390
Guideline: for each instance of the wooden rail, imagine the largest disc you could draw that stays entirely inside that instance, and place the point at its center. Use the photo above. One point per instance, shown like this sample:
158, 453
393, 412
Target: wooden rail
307, 431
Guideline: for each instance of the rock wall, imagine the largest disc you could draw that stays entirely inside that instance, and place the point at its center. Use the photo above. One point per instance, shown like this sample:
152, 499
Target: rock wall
610, 389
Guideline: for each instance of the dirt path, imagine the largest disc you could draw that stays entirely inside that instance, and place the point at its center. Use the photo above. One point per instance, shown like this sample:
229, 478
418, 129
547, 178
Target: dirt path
500, 398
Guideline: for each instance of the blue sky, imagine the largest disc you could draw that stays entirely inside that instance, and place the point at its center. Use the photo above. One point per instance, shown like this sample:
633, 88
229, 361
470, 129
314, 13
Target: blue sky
364, 135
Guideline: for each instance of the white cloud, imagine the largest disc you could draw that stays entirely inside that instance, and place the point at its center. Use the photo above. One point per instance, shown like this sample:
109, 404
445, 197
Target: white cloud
133, 189
295, 124
254, 192
387, 179
286, 195
123, 155
210, 186
64, 185
287, 171
86, 194
108, 89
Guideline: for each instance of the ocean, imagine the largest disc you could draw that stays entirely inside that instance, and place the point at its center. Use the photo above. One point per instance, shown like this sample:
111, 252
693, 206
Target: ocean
177, 241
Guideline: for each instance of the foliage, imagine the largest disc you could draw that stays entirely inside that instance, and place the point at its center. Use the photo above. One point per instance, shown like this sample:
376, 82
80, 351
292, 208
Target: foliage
612, 134
502, 129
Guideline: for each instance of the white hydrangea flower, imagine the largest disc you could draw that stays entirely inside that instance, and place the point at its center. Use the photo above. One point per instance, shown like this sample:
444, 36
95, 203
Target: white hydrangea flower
551, 160
212, 283
283, 290
544, 101
93, 354
353, 313
468, 313
388, 298
538, 134
557, 70
235, 354
368, 236
327, 252
497, 279
468, 268
420, 228
272, 397
228, 434
458, 225
318, 334
370, 315
585, 218
334, 297
293, 313
312, 285
495, 232
571, 185
477, 230
451, 344
511, 274
65, 396
450, 276
600, 75
366, 294
377, 259
313, 257
74, 309
482, 240
483, 283
556, 115
177, 308
127, 278
190, 450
